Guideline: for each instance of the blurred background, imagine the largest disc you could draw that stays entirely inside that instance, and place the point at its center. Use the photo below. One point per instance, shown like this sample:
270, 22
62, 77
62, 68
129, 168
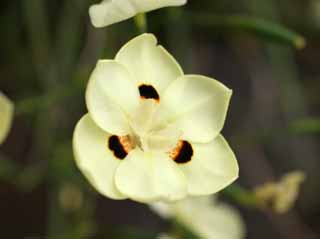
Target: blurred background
47, 52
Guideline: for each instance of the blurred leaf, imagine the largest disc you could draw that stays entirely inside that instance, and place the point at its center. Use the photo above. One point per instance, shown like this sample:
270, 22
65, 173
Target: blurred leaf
62, 165
25, 178
129, 233
8, 168
305, 126
36, 103
253, 25
178, 230
30, 177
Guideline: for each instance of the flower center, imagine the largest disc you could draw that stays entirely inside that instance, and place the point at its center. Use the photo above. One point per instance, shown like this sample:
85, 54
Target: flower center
151, 131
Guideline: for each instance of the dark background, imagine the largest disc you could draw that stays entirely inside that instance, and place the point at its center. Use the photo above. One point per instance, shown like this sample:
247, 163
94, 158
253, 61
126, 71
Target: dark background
49, 48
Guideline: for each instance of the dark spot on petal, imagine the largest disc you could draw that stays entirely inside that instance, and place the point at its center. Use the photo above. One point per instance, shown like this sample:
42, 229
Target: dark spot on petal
148, 92
117, 148
185, 153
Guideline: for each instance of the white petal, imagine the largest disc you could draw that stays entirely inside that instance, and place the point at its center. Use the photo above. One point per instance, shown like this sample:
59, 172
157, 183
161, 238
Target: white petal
112, 11
111, 97
146, 177
210, 220
163, 209
149, 63
223, 222
204, 216
212, 168
198, 106
93, 157
6, 116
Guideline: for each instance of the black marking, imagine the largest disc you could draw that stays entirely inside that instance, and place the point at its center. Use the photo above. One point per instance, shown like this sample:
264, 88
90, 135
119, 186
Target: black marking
148, 92
117, 148
185, 153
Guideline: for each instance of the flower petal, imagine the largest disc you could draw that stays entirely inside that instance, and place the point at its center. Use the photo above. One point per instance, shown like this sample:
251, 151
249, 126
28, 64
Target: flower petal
198, 106
112, 11
149, 63
210, 219
111, 97
6, 115
204, 216
146, 177
222, 221
212, 168
94, 158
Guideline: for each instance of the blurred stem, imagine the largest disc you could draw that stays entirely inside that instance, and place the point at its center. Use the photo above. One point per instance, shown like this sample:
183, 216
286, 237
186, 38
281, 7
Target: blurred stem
140, 21
256, 26
8, 168
68, 42
36, 19
177, 28
241, 195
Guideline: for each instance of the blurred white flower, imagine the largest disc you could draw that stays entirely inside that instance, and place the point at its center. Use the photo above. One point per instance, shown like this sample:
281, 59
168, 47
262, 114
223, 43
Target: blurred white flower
281, 195
153, 133
111, 11
204, 217
6, 116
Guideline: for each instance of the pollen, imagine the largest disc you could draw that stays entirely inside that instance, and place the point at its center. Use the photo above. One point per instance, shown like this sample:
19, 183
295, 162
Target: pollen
182, 153
175, 152
126, 143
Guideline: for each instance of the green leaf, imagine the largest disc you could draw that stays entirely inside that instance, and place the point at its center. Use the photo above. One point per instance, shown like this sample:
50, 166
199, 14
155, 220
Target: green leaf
256, 26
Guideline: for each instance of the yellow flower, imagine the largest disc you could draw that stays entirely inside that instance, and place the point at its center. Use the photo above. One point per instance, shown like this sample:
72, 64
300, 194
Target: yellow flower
6, 115
204, 217
153, 133
282, 195
111, 11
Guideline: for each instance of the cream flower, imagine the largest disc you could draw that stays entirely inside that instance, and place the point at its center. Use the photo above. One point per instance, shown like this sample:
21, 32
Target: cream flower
204, 217
153, 133
6, 115
111, 11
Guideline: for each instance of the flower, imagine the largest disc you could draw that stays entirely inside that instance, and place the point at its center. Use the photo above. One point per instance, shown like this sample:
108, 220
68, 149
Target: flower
6, 115
204, 217
283, 194
111, 11
153, 133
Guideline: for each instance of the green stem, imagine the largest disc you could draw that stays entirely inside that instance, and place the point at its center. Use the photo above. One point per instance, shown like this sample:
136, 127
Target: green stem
241, 195
38, 33
141, 23
305, 126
